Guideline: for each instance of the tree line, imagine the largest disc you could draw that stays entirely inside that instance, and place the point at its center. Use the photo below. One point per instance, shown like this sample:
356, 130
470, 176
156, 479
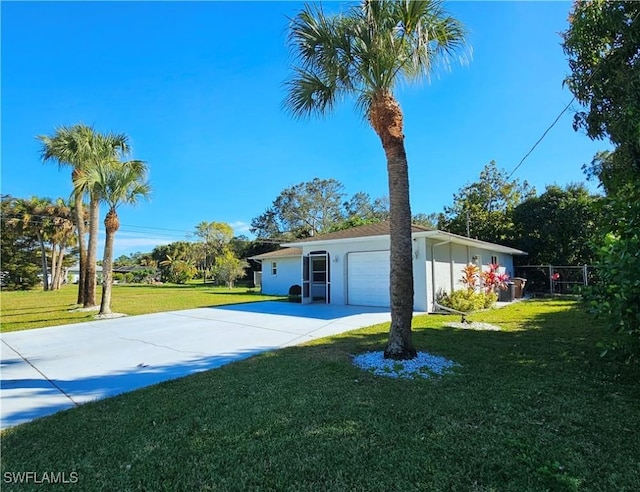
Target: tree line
38, 236
216, 254
558, 226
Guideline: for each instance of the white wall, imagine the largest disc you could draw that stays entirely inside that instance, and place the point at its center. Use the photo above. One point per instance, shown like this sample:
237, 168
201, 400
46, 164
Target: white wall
289, 272
450, 259
339, 257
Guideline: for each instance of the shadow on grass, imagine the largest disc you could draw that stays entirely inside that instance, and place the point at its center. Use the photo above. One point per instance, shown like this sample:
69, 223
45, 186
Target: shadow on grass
10, 312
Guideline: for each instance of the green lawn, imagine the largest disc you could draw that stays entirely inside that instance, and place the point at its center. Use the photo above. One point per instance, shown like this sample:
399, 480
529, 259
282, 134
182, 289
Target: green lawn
23, 310
530, 408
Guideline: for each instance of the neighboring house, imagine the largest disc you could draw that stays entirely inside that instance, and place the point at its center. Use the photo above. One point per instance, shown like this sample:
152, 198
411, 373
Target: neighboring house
280, 270
352, 266
73, 274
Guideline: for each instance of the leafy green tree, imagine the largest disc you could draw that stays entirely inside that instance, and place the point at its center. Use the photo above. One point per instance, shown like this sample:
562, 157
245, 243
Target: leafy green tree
559, 227
365, 53
179, 271
302, 210
483, 209
245, 248
361, 206
228, 268
51, 223
602, 44
114, 183
214, 237
427, 220
32, 215
19, 250
165, 255
360, 210
125, 261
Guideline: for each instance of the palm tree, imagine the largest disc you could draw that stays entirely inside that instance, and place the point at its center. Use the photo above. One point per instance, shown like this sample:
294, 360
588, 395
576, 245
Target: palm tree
83, 148
114, 183
365, 53
68, 146
61, 237
103, 151
32, 214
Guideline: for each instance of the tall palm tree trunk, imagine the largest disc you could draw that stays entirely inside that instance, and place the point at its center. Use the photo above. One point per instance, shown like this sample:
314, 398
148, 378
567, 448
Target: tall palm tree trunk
111, 224
386, 118
43, 255
82, 246
92, 254
54, 265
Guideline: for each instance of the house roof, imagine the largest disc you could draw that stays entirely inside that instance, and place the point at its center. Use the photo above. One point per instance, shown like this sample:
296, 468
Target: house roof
367, 230
280, 253
76, 268
382, 229
127, 269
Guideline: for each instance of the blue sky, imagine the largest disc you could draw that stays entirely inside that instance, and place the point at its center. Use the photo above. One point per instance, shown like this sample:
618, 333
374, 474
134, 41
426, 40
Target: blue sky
198, 87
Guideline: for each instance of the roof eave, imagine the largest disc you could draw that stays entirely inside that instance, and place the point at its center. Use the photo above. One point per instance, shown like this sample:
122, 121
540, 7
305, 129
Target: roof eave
426, 234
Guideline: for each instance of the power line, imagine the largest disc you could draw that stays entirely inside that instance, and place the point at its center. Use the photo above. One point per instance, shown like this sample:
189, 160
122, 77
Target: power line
595, 70
542, 137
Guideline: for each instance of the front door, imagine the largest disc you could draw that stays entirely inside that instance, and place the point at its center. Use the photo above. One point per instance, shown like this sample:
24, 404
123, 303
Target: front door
316, 284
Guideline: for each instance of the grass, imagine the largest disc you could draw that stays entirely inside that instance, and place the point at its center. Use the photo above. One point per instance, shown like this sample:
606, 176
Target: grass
530, 408
23, 310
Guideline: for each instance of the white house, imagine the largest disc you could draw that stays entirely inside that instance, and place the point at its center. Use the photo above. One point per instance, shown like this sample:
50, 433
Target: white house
352, 266
73, 274
280, 270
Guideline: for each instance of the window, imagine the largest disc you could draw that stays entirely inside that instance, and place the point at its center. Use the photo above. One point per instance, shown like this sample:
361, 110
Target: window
319, 270
494, 260
274, 268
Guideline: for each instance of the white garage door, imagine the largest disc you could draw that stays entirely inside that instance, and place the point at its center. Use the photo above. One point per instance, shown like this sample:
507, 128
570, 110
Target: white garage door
368, 279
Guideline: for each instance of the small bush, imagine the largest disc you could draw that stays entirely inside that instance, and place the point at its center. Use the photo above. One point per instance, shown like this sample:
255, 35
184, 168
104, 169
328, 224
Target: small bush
145, 276
490, 298
467, 300
295, 293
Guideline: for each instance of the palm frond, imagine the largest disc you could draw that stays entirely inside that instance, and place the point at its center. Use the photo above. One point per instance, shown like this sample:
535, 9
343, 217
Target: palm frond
366, 51
322, 50
308, 93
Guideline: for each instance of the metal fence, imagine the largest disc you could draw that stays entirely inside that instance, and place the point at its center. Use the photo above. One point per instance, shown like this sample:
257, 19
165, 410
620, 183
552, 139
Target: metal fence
556, 279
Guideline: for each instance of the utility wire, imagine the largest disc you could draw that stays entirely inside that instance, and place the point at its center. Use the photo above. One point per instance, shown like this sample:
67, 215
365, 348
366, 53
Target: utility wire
635, 17
542, 137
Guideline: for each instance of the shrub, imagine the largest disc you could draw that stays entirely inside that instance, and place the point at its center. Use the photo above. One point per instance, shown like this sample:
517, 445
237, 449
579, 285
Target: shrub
490, 298
295, 293
145, 276
181, 272
466, 300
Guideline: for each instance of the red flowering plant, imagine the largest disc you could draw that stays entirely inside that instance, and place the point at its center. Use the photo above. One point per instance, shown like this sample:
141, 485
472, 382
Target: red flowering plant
492, 279
479, 292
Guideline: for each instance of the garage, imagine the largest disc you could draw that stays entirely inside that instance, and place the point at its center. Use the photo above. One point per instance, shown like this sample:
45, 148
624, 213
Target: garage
368, 279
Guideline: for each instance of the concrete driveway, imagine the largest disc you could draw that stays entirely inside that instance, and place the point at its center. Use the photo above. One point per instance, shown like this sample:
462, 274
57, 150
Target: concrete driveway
47, 370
